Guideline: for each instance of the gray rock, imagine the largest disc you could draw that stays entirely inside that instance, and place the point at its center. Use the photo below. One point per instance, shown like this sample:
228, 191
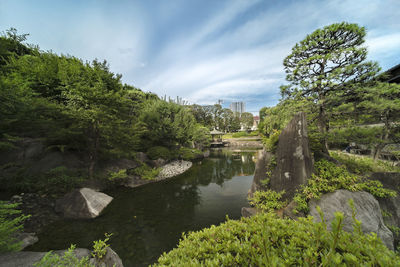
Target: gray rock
174, 168
248, 212
110, 259
158, 163
293, 158
83, 203
367, 211
206, 153
260, 173
28, 258
390, 206
27, 239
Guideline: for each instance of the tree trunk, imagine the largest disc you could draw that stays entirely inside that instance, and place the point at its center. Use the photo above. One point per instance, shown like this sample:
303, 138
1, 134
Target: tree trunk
322, 125
384, 138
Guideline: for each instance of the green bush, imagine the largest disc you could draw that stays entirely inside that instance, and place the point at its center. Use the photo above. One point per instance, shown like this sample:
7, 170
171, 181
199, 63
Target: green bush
67, 260
268, 200
186, 153
266, 240
57, 180
118, 175
146, 172
271, 142
10, 223
328, 177
157, 152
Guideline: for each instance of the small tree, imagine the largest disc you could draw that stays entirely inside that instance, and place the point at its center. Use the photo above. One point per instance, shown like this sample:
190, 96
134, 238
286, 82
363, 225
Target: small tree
327, 60
247, 120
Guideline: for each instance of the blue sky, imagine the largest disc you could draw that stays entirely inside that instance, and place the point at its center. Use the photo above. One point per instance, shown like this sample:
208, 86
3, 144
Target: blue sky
199, 50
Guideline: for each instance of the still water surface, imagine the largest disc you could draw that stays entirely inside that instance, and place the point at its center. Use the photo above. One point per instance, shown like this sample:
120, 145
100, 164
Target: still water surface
148, 220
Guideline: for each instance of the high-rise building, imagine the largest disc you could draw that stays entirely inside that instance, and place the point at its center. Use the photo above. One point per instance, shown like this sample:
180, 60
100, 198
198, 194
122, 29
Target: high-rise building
238, 107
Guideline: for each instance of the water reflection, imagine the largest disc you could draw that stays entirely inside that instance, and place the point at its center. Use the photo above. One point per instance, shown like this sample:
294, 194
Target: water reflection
148, 220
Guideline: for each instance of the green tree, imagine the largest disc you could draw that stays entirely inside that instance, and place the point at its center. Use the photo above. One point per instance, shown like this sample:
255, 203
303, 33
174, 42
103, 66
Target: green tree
247, 120
382, 102
327, 60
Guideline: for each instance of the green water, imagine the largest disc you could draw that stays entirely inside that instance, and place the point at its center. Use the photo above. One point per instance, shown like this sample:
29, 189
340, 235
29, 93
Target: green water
148, 220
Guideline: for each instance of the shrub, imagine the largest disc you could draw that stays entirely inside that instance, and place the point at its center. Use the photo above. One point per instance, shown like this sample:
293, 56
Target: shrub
271, 142
266, 240
67, 260
186, 153
328, 177
268, 200
121, 174
100, 247
146, 172
157, 152
9, 226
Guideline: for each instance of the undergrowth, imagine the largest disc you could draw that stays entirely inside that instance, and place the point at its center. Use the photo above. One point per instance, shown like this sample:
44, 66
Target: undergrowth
267, 240
328, 177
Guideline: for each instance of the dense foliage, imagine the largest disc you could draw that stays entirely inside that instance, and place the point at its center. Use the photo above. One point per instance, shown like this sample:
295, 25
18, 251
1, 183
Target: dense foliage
266, 240
83, 107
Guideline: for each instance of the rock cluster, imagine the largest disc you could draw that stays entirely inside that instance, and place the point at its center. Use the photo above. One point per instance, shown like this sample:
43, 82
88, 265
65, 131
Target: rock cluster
174, 168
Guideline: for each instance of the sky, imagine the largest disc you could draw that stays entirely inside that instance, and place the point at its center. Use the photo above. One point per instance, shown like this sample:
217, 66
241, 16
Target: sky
201, 50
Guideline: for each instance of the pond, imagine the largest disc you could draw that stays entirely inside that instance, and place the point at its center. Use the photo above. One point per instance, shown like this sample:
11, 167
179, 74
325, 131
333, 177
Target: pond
148, 220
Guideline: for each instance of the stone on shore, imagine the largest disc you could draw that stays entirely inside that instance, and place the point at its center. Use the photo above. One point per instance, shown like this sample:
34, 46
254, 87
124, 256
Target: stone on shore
83, 203
367, 211
28, 258
174, 168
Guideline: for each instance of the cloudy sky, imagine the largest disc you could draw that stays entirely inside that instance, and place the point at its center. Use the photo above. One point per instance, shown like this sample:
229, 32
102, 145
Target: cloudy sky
199, 50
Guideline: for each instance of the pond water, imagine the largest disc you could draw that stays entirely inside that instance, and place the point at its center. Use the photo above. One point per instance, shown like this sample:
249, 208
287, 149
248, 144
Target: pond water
148, 220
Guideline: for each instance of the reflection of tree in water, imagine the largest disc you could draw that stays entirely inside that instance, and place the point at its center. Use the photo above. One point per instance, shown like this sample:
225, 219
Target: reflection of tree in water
221, 166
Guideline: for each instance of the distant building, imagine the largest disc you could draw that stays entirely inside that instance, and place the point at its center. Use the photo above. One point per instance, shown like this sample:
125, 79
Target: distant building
238, 107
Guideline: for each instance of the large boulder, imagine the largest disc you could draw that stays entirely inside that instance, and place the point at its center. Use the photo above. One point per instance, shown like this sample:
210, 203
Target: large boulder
367, 211
391, 205
84, 203
260, 173
293, 158
28, 258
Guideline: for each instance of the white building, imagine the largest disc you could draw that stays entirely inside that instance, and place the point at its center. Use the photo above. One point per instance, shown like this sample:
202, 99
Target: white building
238, 107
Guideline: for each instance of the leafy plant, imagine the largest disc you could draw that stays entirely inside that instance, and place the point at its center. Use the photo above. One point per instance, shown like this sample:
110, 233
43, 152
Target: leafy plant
67, 260
268, 200
10, 223
121, 174
100, 247
146, 172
